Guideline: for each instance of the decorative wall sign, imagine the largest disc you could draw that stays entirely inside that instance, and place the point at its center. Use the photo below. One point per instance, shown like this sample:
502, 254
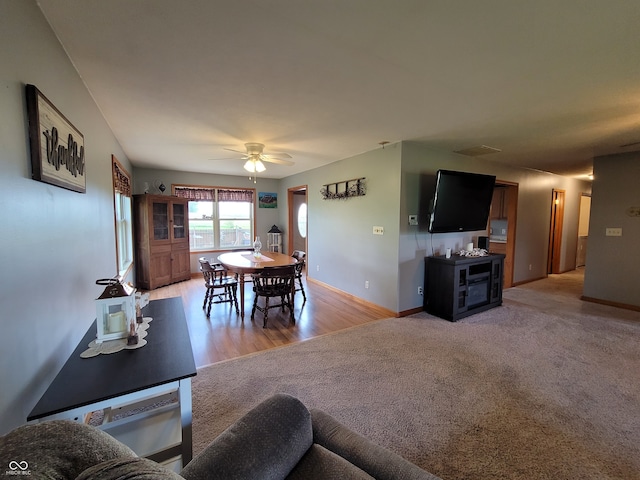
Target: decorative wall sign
57, 147
267, 200
347, 188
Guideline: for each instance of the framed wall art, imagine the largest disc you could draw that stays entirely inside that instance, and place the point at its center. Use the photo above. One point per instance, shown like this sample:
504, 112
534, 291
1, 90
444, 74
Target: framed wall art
267, 200
57, 147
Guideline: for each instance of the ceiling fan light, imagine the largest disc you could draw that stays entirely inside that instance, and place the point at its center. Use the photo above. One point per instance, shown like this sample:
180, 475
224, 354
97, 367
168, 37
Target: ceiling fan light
259, 166
250, 166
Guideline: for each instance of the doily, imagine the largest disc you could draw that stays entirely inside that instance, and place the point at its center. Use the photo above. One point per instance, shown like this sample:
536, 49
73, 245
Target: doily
476, 252
113, 346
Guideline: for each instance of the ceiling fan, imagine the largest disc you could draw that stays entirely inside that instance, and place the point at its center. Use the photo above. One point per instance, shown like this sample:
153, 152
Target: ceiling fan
255, 155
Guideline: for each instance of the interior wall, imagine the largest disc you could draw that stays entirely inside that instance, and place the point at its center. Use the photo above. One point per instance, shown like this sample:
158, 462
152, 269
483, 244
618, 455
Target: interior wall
55, 243
343, 252
265, 217
408, 175
64, 241
613, 262
419, 166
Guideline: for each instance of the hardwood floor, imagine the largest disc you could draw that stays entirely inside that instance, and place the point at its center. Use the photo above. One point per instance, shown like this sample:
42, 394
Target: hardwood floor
224, 335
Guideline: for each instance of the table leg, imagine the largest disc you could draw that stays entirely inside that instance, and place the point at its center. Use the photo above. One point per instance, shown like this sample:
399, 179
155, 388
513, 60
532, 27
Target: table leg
242, 296
185, 420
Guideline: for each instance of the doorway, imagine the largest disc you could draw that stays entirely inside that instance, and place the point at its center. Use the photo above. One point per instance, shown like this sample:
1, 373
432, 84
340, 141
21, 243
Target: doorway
298, 214
502, 226
583, 229
555, 232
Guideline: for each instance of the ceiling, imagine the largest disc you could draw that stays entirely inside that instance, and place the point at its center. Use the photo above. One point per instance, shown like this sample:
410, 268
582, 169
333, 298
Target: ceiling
550, 83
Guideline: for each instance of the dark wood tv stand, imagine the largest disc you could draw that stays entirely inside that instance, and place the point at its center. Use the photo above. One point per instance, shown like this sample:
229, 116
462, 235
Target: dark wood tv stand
460, 286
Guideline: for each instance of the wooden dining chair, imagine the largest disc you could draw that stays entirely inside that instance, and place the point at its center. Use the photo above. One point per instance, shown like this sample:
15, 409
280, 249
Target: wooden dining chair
217, 278
300, 256
274, 282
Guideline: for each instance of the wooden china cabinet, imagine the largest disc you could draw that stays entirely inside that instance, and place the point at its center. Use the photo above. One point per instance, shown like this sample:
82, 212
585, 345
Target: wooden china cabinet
162, 240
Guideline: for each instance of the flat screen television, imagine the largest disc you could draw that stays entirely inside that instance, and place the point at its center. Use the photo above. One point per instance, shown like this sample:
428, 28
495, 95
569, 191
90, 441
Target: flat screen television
461, 202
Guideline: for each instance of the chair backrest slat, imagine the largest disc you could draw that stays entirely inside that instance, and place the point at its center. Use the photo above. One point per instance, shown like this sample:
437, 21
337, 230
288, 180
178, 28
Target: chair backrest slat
214, 273
274, 276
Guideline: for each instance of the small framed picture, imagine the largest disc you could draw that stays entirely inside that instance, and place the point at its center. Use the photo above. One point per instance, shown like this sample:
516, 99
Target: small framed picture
267, 200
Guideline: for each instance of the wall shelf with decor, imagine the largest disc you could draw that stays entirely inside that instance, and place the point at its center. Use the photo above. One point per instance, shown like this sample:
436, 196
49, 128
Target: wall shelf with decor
354, 187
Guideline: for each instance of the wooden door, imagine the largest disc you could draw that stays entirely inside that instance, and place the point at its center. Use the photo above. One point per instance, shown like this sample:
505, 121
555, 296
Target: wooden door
160, 267
296, 240
180, 264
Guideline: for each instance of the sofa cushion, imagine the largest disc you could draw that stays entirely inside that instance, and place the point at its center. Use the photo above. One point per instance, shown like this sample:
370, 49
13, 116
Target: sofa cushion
59, 448
266, 443
377, 461
129, 469
320, 463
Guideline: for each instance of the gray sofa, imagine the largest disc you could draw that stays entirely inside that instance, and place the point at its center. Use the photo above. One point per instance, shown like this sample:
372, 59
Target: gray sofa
278, 439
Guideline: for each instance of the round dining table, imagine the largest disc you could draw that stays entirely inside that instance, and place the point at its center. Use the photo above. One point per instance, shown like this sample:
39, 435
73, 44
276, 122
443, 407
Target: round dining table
245, 262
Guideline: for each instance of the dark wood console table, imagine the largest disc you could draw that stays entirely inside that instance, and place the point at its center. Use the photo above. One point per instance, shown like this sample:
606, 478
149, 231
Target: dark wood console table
460, 286
154, 381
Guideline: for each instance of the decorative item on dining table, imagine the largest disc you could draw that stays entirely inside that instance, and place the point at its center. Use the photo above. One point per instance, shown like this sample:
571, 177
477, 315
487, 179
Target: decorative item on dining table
257, 246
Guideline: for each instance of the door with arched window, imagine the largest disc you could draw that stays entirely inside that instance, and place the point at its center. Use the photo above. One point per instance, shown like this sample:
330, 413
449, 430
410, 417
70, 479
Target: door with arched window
298, 215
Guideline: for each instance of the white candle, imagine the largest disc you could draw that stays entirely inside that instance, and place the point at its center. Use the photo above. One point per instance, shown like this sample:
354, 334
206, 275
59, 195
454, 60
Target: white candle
116, 322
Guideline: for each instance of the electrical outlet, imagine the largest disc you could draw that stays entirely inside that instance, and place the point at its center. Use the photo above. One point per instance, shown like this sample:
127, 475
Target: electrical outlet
420, 291
317, 268
413, 219
378, 230
613, 232
366, 284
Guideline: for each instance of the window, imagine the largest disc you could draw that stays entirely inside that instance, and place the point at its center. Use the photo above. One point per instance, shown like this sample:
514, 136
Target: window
219, 218
123, 217
302, 220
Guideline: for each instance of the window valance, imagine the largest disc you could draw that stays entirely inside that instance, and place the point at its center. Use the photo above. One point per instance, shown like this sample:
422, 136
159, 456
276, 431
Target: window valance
121, 180
224, 195
193, 193
235, 195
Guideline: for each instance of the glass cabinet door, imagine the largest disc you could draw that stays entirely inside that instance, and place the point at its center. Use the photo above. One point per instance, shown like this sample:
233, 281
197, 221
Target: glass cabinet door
179, 230
160, 221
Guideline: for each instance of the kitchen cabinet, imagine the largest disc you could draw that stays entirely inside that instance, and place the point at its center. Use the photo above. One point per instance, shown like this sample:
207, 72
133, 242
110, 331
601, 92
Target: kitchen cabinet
499, 203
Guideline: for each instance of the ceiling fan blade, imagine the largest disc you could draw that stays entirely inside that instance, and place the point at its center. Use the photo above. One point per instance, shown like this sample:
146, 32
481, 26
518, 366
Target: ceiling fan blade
280, 154
279, 161
228, 158
243, 152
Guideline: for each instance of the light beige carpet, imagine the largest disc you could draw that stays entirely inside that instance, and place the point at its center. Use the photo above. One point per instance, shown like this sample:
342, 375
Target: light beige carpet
544, 387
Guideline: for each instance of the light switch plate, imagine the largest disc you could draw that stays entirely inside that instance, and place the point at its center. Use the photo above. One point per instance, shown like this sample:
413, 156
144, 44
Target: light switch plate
378, 230
613, 232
